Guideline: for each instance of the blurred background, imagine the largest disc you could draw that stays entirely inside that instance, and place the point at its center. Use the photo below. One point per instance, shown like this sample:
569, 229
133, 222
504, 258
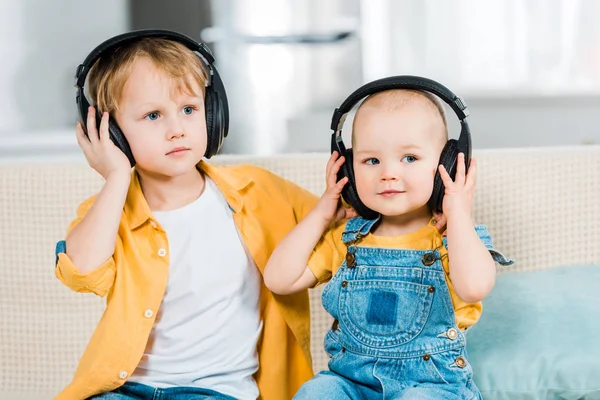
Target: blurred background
528, 69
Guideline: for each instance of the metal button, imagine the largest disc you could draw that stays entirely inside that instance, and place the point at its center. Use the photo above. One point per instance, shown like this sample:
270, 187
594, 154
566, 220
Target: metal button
350, 260
335, 325
452, 334
426, 357
460, 362
162, 252
148, 313
431, 289
123, 374
428, 259
344, 283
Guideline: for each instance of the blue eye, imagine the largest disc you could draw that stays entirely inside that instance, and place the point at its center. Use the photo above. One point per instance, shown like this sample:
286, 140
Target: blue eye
188, 110
153, 116
409, 159
371, 161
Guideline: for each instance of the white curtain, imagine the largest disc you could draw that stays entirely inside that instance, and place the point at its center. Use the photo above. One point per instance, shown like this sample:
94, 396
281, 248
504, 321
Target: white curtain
488, 48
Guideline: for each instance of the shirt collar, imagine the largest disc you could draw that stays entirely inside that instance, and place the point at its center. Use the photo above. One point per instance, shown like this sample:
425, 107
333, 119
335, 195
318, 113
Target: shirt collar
229, 181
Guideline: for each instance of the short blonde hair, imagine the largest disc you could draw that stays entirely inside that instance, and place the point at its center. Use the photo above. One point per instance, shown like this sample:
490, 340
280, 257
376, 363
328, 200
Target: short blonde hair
109, 74
395, 99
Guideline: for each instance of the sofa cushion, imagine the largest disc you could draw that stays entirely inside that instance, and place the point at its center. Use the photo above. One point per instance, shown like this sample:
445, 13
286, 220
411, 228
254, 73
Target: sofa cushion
538, 336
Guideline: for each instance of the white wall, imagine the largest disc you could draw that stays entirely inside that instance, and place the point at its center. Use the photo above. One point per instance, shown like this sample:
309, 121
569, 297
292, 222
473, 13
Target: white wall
41, 44
494, 122
525, 121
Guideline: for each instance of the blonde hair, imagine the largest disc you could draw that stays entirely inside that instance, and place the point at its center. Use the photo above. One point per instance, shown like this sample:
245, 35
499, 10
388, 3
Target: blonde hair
109, 74
395, 99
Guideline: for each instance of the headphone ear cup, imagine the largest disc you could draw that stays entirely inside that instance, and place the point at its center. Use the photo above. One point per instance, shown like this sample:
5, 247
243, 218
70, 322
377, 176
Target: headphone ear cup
215, 123
210, 123
349, 192
117, 137
217, 113
347, 172
448, 159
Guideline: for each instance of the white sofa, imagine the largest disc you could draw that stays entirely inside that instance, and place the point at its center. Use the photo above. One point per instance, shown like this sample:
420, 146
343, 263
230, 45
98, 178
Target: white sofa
533, 200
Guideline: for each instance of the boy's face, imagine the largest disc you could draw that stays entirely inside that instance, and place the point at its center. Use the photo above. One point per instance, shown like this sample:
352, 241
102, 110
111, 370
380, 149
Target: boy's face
165, 127
396, 155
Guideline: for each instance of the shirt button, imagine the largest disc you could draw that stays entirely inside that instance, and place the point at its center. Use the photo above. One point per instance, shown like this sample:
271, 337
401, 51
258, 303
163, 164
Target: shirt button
162, 252
123, 374
153, 224
148, 313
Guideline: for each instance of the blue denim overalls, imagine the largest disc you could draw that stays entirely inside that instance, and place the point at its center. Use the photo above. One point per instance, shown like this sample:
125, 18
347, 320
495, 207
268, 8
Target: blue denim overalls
394, 335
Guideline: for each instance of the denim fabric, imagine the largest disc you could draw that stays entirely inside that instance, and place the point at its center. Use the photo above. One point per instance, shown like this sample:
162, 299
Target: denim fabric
395, 334
138, 391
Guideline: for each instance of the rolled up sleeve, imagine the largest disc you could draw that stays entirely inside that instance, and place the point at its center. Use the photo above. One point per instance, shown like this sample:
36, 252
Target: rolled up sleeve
486, 239
99, 280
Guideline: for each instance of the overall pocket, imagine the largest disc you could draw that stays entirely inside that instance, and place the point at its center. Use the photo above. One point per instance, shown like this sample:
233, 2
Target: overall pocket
384, 313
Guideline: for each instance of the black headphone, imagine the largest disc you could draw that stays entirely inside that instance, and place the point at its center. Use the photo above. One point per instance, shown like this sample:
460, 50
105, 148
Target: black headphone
449, 155
215, 99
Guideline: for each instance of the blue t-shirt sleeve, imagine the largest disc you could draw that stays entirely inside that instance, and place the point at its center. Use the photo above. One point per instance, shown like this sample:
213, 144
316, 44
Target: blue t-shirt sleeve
61, 247
486, 238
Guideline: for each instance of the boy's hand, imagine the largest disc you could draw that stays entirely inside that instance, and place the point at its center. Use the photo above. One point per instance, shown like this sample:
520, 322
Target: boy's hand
458, 195
330, 206
100, 152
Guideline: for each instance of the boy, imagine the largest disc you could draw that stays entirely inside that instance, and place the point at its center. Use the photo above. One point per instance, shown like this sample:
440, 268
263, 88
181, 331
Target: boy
177, 245
400, 300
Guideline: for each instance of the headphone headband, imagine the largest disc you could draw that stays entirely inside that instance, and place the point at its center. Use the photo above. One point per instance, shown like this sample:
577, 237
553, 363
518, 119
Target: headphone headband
399, 82
128, 37
448, 156
215, 99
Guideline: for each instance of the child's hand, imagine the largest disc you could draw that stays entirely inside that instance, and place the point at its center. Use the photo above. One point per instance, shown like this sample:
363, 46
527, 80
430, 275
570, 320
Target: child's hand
330, 206
100, 152
458, 195
440, 223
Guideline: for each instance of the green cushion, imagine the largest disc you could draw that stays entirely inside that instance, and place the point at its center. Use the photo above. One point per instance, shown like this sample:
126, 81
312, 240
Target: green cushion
539, 336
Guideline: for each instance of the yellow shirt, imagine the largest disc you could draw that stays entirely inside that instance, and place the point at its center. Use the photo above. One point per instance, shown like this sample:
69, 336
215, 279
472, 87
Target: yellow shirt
265, 208
330, 252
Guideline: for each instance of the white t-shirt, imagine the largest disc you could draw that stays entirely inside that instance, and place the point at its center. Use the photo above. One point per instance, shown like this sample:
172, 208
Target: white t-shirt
207, 328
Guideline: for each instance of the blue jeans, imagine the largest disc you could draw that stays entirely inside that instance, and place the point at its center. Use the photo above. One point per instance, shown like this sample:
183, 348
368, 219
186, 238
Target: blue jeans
138, 391
394, 334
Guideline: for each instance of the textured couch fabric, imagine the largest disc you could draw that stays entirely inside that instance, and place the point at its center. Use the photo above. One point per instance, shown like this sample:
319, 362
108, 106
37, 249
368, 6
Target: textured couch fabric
540, 205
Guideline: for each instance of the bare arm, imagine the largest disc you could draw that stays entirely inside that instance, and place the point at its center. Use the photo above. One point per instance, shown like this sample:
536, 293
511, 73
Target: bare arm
286, 271
92, 241
472, 268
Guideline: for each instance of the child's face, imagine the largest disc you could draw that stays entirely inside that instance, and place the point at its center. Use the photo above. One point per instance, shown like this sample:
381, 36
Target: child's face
165, 127
396, 155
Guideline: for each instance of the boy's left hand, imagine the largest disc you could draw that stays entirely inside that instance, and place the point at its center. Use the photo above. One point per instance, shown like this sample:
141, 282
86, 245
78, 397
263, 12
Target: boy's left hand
458, 195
